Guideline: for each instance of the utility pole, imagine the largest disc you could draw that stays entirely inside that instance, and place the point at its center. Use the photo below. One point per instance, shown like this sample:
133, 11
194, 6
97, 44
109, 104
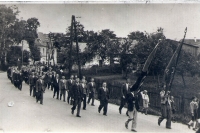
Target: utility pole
48, 53
22, 52
77, 50
73, 30
71, 43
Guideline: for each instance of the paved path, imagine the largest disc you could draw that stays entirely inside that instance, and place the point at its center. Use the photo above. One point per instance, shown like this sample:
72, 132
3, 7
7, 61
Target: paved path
55, 115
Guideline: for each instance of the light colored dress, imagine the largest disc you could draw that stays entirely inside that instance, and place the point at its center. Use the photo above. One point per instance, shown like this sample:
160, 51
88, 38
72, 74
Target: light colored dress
145, 98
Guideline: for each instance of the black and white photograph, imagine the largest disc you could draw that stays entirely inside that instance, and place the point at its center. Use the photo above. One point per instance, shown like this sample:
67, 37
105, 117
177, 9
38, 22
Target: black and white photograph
100, 66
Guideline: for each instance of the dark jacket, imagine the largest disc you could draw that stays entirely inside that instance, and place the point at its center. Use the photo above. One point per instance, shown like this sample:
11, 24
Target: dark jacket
103, 95
56, 83
85, 90
62, 84
77, 92
70, 83
40, 85
91, 88
132, 101
125, 90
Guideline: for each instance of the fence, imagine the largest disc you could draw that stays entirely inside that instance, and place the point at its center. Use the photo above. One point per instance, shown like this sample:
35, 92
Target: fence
182, 103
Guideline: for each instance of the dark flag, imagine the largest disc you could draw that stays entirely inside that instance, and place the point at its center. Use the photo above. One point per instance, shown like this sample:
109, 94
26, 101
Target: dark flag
143, 74
171, 67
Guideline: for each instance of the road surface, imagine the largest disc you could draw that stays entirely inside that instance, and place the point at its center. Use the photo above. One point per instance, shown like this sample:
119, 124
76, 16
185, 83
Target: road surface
55, 116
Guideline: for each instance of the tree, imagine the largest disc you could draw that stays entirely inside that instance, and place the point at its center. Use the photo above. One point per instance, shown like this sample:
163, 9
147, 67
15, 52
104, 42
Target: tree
18, 31
63, 56
35, 54
126, 56
14, 54
26, 56
31, 35
7, 19
103, 44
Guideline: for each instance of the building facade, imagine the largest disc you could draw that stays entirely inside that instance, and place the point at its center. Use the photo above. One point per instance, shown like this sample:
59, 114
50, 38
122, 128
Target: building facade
48, 53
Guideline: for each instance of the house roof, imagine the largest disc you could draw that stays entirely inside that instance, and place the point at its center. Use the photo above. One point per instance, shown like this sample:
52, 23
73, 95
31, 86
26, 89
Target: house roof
189, 42
42, 39
192, 42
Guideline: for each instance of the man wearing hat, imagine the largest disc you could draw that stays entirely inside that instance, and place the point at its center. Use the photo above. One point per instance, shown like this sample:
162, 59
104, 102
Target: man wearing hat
145, 99
40, 89
133, 107
62, 87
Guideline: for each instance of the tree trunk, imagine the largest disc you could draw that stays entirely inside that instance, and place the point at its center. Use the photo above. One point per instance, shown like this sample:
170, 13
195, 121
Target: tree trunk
183, 79
158, 81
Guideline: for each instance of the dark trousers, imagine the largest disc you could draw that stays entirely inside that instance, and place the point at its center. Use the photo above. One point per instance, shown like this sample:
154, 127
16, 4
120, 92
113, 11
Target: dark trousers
50, 85
69, 97
166, 114
104, 105
34, 91
91, 96
39, 97
77, 102
84, 101
56, 90
62, 92
19, 85
123, 102
31, 89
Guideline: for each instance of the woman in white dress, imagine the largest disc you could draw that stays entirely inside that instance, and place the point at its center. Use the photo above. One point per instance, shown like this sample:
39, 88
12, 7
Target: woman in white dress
145, 98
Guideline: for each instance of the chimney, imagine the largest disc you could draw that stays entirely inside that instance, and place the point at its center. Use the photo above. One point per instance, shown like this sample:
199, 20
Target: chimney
195, 40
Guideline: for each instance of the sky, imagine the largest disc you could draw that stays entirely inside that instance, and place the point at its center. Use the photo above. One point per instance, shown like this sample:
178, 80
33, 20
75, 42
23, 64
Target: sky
120, 18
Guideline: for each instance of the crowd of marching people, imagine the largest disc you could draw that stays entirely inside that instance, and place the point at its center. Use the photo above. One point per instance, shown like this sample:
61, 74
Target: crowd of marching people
39, 79
75, 91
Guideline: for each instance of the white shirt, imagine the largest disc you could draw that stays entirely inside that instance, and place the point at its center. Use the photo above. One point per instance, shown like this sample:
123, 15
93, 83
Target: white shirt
126, 86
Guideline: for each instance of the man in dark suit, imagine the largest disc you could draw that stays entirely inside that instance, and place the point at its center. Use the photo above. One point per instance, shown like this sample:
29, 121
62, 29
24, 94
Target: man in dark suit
91, 90
40, 89
77, 96
36, 77
56, 85
62, 87
70, 83
103, 97
53, 78
15, 78
83, 86
133, 107
50, 80
124, 91
31, 83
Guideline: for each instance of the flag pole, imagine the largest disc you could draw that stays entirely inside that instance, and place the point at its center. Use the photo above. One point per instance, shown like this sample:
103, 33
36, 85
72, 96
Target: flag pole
170, 70
143, 74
